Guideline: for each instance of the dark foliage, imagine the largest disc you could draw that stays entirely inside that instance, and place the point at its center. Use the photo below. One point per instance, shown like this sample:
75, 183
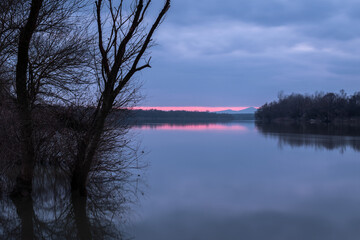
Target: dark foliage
320, 107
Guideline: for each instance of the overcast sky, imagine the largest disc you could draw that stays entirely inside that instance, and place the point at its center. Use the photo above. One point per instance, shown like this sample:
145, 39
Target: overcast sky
243, 52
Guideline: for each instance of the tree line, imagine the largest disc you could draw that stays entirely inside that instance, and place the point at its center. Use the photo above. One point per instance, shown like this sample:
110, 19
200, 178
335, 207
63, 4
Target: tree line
64, 66
319, 107
157, 116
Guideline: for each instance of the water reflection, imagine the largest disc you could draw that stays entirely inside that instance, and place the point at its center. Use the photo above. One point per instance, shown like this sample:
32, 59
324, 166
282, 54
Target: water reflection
54, 212
70, 220
194, 127
329, 137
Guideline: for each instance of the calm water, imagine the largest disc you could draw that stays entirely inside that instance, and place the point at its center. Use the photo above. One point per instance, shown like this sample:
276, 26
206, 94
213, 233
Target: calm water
214, 181
239, 181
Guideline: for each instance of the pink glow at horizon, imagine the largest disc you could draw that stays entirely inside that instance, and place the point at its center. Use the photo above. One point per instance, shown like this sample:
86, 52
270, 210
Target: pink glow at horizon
194, 127
191, 108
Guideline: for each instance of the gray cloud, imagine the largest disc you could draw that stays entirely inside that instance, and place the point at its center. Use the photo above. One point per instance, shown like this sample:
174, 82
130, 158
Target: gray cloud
271, 12
244, 52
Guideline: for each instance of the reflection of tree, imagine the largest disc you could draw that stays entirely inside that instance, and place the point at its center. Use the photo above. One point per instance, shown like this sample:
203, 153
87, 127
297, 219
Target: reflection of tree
54, 212
325, 136
25, 211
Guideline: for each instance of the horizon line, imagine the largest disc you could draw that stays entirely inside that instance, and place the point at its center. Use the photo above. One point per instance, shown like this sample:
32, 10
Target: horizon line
191, 108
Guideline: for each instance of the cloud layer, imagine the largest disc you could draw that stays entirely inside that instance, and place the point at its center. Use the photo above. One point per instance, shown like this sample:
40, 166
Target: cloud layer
242, 53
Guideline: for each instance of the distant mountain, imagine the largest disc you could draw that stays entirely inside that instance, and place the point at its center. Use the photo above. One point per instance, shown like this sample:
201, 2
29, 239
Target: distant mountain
249, 110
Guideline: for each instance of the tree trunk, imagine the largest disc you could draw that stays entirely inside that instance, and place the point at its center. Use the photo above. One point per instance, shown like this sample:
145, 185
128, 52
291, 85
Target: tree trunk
23, 184
86, 152
82, 221
79, 180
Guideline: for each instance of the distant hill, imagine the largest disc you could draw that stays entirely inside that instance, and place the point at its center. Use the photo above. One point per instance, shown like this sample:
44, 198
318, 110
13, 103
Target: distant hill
249, 110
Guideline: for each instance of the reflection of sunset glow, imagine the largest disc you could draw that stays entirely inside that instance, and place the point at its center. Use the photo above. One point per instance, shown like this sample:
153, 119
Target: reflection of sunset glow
194, 127
193, 109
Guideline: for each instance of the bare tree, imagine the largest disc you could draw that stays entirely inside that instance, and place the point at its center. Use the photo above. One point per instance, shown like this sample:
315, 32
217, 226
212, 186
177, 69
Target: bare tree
50, 58
121, 51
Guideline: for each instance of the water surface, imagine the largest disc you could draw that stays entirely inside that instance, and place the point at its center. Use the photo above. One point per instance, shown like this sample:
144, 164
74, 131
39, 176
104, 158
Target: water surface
239, 181
206, 181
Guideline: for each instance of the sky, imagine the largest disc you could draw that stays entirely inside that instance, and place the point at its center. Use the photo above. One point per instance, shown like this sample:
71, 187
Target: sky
243, 53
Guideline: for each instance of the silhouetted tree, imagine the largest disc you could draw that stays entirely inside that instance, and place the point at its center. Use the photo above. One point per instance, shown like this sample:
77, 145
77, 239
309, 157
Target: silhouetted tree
45, 55
47, 60
121, 51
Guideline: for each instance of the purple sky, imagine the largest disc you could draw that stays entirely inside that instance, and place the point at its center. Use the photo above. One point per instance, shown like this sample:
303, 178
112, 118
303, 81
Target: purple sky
242, 53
